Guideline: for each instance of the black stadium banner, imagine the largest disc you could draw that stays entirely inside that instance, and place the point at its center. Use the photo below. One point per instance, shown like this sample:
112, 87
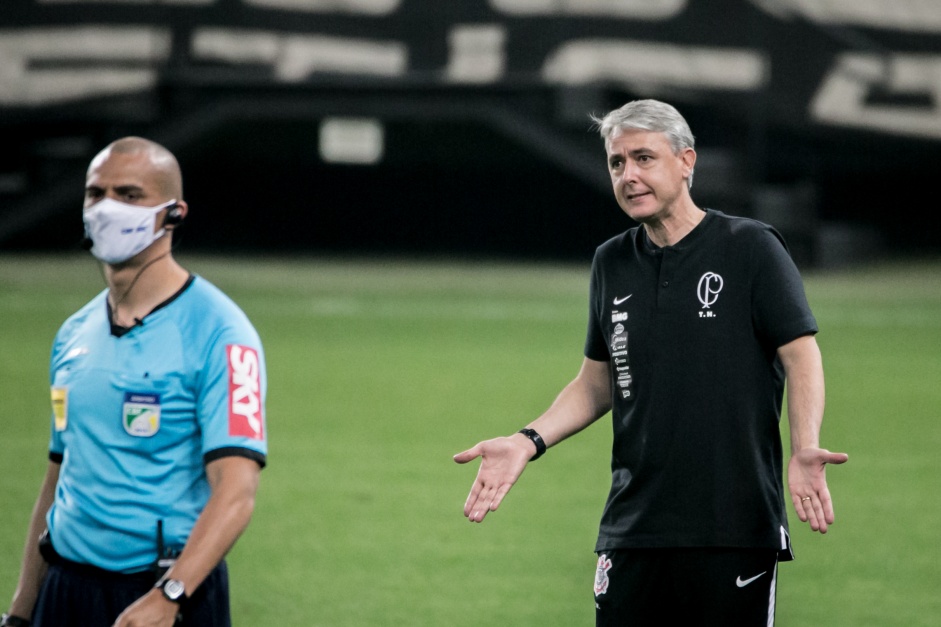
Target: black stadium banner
872, 66
839, 102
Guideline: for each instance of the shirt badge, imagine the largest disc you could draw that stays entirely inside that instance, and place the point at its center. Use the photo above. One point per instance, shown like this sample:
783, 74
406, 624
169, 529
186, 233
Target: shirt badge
141, 414
60, 407
246, 416
710, 284
601, 575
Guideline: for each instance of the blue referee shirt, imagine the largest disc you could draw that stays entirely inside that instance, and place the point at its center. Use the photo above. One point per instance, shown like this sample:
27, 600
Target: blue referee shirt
136, 417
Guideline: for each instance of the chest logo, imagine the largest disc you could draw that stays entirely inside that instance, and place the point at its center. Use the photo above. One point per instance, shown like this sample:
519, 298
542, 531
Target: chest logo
710, 284
141, 414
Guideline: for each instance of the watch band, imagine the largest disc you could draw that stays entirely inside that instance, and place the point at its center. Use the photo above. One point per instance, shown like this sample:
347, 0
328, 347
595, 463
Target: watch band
8, 620
537, 440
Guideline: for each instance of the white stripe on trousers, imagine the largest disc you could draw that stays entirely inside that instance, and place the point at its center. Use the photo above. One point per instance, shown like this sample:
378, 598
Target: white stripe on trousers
771, 595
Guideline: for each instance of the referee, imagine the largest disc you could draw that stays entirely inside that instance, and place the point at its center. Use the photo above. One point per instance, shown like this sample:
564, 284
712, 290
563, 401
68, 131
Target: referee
696, 321
157, 427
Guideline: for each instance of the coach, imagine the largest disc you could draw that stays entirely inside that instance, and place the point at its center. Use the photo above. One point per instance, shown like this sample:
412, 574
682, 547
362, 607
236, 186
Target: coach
696, 321
158, 433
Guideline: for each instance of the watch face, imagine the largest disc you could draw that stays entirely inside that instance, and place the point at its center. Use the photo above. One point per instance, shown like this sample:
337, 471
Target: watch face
173, 589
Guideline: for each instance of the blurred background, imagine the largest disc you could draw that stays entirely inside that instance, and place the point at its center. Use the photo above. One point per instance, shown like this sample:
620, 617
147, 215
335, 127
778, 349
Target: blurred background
366, 133
462, 127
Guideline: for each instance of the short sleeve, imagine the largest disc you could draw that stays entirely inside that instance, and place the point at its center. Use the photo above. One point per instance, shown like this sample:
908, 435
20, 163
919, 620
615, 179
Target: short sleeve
59, 403
781, 312
231, 403
596, 347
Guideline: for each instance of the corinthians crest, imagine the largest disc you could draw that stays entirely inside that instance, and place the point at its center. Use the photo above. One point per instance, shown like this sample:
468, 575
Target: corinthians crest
707, 291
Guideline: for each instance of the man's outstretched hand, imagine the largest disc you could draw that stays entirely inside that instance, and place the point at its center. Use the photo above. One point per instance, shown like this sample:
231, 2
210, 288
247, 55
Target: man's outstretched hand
502, 462
807, 482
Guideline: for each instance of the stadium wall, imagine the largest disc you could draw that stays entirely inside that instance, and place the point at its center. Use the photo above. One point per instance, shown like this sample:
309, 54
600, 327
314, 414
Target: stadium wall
462, 127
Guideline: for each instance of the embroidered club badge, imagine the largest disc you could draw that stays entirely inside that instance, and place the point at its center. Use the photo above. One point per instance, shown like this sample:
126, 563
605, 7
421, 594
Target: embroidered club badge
601, 575
141, 414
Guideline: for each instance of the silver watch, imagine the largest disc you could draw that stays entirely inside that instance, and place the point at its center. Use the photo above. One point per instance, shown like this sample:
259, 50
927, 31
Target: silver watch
173, 590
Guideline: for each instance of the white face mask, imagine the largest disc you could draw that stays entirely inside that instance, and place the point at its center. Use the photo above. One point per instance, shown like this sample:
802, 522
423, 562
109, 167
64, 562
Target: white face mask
119, 231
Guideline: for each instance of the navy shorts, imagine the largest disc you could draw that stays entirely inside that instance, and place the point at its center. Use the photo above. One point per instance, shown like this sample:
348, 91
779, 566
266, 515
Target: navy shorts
703, 587
75, 595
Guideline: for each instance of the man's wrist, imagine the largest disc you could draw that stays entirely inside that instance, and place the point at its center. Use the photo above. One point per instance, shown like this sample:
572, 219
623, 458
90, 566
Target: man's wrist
12, 620
537, 440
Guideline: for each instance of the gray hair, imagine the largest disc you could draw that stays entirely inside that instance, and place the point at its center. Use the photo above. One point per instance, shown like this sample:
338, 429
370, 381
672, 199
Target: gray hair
649, 115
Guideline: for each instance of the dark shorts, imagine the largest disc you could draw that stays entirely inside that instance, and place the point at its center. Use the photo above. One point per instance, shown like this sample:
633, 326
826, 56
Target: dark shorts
703, 587
74, 595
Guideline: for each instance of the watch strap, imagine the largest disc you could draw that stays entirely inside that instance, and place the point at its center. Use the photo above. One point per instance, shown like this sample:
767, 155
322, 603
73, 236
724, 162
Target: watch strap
537, 440
9, 620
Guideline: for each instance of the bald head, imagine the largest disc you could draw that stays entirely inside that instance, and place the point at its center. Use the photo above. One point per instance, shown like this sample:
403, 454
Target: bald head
160, 164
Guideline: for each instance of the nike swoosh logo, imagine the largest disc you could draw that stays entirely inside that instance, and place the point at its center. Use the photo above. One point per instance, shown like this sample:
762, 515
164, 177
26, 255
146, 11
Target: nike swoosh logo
742, 583
618, 301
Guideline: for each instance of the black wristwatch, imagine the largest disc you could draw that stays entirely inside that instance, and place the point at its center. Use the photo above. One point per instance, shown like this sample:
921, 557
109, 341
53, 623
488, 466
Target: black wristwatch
537, 440
14, 621
173, 590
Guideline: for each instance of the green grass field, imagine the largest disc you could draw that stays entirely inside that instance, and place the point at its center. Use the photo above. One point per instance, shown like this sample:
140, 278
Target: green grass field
380, 370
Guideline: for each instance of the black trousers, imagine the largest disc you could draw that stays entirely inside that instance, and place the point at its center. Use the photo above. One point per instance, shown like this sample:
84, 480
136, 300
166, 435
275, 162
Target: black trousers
75, 595
701, 587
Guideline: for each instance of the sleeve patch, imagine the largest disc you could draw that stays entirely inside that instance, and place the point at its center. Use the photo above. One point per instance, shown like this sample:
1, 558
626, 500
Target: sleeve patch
245, 410
60, 407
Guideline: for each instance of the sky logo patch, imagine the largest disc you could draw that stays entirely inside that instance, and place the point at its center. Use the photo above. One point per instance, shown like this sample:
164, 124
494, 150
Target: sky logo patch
245, 410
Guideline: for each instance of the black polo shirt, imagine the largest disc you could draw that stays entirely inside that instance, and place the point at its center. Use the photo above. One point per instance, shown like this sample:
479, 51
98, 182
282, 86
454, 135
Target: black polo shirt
691, 331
